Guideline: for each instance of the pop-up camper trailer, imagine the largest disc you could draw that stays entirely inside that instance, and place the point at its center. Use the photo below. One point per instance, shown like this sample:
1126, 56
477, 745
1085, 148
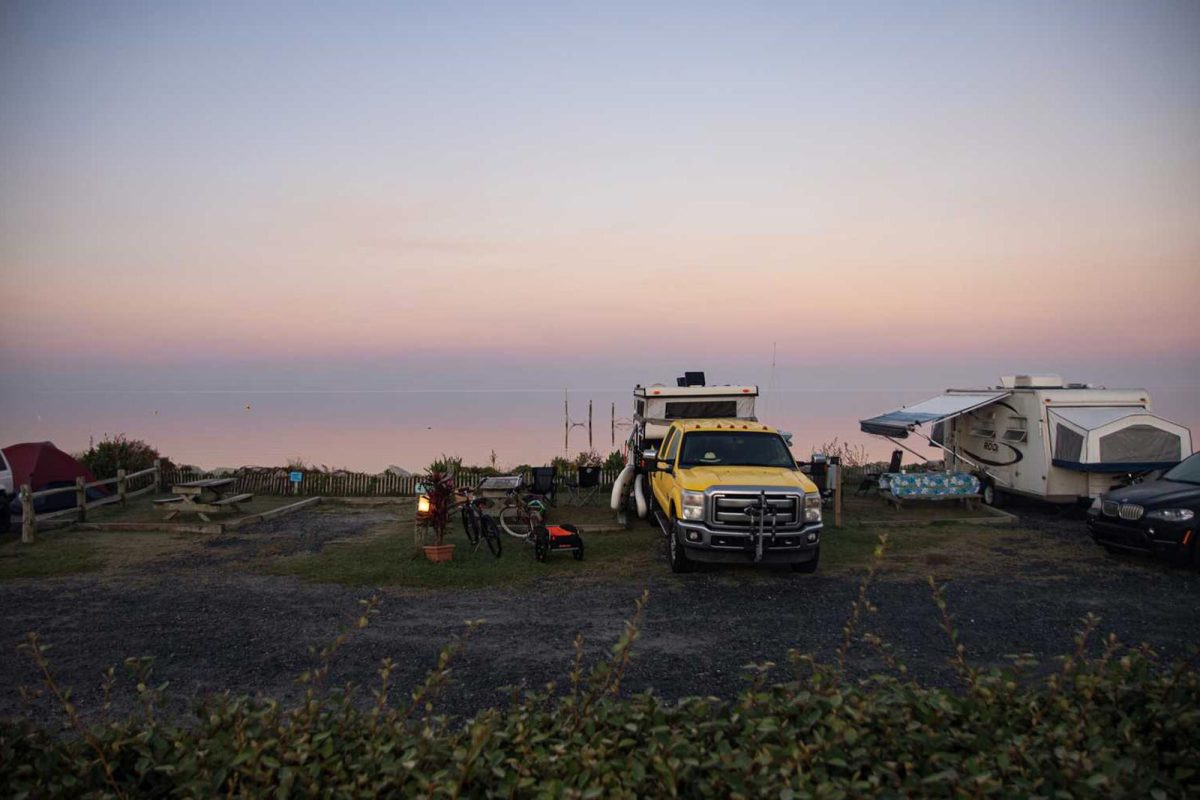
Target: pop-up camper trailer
1038, 437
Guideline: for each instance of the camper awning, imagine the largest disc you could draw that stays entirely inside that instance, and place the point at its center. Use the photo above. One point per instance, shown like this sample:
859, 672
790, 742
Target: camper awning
897, 424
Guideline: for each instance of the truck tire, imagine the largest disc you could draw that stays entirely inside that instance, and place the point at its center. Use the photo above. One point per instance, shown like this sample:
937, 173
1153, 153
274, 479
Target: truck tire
810, 566
676, 555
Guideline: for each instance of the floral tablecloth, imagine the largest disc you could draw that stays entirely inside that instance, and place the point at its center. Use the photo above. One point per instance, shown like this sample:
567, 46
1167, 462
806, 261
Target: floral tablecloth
929, 484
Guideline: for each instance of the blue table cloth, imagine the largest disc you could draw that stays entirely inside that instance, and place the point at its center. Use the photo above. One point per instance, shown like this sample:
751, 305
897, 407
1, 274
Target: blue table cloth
929, 484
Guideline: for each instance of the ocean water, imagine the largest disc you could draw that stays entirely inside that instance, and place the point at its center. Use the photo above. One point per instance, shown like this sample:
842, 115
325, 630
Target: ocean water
370, 430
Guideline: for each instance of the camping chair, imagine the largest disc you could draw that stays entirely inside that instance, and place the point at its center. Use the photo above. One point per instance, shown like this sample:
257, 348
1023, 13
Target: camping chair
543, 483
586, 486
871, 479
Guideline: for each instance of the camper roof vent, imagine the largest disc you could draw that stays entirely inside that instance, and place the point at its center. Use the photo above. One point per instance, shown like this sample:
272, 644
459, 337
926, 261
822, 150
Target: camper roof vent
691, 379
1040, 381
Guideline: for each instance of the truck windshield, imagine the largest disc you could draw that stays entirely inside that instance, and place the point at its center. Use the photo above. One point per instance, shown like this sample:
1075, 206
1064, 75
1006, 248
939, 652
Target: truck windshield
734, 449
1186, 471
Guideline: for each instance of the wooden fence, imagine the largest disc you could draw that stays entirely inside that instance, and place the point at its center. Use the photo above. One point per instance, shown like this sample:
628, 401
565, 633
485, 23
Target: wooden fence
343, 484
125, 487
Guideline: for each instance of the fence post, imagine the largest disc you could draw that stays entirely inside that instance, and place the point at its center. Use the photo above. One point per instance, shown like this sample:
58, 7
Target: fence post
122, 489
157, 475
835, 463
28, 518
81, 498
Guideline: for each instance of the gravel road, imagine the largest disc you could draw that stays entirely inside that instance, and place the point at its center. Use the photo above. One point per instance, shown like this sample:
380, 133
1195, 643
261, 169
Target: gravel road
212, 628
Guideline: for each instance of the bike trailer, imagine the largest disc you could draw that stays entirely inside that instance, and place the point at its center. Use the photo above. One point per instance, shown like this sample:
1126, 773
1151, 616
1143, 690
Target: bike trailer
549, 539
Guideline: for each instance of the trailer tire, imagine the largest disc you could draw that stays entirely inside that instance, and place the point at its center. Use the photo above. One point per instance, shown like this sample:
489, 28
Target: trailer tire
992, 496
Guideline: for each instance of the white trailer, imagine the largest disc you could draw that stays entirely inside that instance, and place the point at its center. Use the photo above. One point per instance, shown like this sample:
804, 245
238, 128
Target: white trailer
1039, 437
655, 407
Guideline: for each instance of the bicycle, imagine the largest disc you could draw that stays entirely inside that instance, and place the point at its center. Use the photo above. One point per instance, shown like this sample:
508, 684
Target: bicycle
521, 515
479, 526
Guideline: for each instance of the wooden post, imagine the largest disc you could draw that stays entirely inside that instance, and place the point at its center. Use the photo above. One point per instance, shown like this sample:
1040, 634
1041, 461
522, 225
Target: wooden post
28, 519
835, 463
121, 487
157, 475
81, 498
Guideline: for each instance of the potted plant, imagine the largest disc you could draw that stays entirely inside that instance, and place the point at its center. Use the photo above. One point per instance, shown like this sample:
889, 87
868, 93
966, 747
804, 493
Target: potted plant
433, 512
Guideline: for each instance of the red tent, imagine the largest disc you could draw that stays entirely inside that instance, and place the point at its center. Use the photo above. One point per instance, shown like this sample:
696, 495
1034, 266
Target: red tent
41, 463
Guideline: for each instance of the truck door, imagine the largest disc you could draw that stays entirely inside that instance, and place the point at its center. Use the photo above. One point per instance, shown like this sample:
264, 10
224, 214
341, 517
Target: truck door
662, 482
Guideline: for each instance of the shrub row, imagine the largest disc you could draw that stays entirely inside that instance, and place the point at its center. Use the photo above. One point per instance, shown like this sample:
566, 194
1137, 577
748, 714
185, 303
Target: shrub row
1116, 723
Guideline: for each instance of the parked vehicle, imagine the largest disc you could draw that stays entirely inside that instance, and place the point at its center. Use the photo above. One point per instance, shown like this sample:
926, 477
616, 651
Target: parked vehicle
1039, 437
655, 407
1160, 516
728, 490
7, 491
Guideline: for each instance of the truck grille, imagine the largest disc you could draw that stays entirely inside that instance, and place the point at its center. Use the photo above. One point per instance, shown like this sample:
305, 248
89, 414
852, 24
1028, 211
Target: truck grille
729, 509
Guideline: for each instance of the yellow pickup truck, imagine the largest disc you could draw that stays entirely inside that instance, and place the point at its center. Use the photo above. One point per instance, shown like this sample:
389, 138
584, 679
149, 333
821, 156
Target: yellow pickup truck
728, 490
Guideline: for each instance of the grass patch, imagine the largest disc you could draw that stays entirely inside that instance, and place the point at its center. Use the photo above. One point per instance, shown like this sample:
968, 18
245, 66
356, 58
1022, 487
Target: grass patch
51, 556
386, 558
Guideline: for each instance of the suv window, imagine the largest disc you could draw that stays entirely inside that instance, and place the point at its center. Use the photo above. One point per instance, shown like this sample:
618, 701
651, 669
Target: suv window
1186, 471
735, 449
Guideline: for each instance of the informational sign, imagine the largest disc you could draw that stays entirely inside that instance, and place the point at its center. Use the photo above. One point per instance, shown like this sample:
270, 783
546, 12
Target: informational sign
296, 477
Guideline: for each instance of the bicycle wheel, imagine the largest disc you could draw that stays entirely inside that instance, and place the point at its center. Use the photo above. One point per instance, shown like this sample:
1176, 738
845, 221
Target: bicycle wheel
470, 524
491, 534
515, 523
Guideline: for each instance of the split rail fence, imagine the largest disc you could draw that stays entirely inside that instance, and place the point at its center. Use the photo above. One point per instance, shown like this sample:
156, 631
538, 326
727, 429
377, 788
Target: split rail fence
125, 485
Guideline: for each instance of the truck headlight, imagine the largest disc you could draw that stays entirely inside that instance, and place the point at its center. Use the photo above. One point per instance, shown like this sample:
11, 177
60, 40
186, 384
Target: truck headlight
693, 505
1171, 514
812, 508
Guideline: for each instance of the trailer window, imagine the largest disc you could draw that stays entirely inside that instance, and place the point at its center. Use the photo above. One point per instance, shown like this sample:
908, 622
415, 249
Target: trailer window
1068, 445
1016, 430
702, 409
1140, 444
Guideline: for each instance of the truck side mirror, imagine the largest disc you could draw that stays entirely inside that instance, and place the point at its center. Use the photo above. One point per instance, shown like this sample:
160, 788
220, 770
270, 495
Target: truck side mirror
649, 456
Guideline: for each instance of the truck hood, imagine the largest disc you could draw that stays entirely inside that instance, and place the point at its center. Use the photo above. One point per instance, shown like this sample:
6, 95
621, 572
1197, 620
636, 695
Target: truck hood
698, 479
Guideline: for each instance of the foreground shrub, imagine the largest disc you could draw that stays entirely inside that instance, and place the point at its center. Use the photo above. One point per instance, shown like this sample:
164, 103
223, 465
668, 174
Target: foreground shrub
1116, 724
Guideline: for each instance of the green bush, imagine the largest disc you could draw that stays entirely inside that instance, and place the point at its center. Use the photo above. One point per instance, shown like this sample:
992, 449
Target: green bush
1111, 724
120, 452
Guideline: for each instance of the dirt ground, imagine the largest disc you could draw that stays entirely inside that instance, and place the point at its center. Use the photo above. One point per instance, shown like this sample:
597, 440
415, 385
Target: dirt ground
214, 619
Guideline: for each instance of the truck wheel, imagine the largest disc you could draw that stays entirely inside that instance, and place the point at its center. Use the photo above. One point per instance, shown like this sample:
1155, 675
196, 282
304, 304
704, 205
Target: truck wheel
810, 566
676, 556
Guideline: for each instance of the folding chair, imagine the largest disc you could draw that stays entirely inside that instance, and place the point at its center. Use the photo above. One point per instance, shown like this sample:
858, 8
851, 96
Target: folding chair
586, 486
543, 483
871, 479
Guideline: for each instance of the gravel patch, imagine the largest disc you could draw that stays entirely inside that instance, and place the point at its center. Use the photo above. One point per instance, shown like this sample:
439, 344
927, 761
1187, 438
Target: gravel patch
212, 628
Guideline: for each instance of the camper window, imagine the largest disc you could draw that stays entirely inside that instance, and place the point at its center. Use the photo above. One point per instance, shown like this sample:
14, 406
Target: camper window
1016, 430
937, 436
641, 408
1140, 443
702, 409
984, 432
1068, 445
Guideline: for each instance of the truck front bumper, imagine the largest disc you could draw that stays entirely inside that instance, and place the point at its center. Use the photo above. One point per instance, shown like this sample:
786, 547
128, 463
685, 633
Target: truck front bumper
702, 543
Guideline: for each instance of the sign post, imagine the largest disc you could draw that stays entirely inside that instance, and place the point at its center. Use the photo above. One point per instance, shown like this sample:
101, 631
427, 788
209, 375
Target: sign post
296, 477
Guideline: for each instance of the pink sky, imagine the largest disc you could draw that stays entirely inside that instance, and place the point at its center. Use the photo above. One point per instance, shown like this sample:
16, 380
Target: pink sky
182, 193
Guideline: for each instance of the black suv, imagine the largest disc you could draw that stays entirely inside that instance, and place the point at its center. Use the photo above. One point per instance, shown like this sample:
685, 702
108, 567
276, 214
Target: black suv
1161, 516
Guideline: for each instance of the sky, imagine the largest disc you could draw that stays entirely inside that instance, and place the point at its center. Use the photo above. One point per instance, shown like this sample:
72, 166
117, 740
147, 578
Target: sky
290, 195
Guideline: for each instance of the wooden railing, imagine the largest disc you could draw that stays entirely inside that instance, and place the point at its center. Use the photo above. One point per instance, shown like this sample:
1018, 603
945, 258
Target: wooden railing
127, 485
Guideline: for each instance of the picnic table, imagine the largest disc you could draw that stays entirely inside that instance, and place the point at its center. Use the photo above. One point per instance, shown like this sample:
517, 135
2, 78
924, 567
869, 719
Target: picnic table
203, 497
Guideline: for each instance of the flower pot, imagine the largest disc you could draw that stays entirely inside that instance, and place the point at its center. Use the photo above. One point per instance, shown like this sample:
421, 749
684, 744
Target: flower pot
437, 553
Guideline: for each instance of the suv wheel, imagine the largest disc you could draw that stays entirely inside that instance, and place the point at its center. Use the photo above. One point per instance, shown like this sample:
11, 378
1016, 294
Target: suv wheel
810, 566
676, 555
